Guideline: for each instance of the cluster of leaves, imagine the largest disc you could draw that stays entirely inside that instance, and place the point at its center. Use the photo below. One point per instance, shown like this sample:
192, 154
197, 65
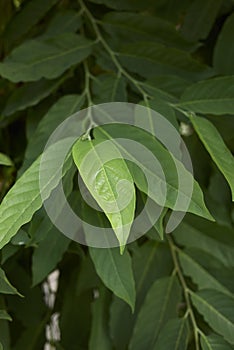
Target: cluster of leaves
165, 291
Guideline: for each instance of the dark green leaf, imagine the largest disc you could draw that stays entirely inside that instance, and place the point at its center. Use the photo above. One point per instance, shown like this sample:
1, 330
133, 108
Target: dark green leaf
5, 285
214, 342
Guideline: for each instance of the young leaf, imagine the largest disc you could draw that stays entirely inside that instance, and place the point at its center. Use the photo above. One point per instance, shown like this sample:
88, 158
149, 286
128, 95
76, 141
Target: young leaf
5, 316
214, 96
24, 198
33, 59
217, 309
5, 285
216, 147
109, 181
159, 306
174, 335
5, 160
214, 342
115, 271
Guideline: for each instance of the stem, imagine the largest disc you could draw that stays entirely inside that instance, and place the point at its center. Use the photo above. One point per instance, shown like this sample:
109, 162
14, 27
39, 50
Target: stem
111, 53
174, 249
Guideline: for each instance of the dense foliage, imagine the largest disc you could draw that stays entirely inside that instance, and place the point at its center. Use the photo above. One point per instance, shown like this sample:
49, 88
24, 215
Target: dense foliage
163, 291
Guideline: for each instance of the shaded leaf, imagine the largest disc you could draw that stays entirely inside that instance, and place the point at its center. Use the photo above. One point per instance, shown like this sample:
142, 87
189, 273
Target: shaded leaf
5, 286
5, 316
5, 160
214, 342
216, 147
109, 88
115, 271
217, 309
214, 96
34, 58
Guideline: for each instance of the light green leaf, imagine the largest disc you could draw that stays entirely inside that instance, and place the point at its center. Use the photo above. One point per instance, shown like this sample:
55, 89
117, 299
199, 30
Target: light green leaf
214, 342
48, 254
200, 18
115, 271
189, 235
149, 59
5, 160
174, 335
158, 307
199, 274
170, 165
213, 96
99, 332
5, 286
217, 310
29, 95
223, 59
109, 181
34, 58
216, 147
25, 18
24, 198
5, 316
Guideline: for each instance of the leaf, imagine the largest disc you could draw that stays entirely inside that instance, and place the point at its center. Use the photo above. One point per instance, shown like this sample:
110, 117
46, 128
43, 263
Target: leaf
5, 316
199, 274
24, 19
159, 306
174, 335
99, 331
134, 27
115, 271
171, 84
24, 198
29, 95
200, 18
109, 88
223, 59
5, 160
109, 181
217, 309
66, 21
216, 147
149, 60
5, 285
48, 254
213, 96
169, 164
34, 58
189, 235
214, 342
62, 109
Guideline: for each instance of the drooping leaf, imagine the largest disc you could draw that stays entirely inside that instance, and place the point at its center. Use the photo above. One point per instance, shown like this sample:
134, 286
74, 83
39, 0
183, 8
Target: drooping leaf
158, 307
223, 58
216, 147
199, 274
48, 254
174, 335
5, 160
191, 235
29, 95
5, 285
109, 181
24, 198
217, 310
5, 316
213, 96
214, 342
200, 18
170, 165
99, 337
27, 16
149, 60
33, 59
115, 271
